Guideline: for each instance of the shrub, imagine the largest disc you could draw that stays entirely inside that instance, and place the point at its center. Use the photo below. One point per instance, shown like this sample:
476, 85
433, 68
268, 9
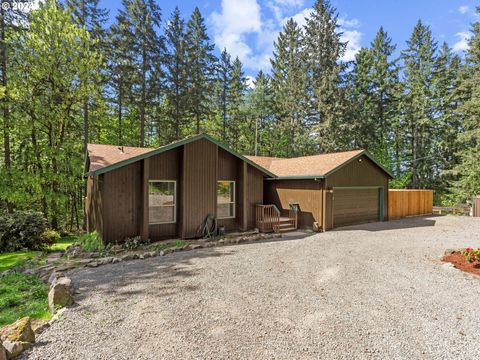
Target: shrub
90, 242
50, 237
22, 230
472, 255
133, 243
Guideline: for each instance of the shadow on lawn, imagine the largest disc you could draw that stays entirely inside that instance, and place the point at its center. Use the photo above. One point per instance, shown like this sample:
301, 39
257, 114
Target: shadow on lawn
405, 223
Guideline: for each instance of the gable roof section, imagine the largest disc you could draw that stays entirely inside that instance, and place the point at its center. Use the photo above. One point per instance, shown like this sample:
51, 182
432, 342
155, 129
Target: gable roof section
104, 158
101, 156
314, 166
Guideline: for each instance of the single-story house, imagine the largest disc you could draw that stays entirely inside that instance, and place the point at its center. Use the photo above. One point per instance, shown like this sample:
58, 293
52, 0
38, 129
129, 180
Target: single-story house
168, 191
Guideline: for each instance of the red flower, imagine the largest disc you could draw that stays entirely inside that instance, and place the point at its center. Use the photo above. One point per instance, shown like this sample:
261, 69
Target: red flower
468, 249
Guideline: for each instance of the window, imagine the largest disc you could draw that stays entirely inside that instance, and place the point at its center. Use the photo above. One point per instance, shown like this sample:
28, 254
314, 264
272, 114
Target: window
225, 199
162, 201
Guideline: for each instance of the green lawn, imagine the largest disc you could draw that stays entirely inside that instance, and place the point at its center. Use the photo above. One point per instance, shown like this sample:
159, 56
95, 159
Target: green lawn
22, 295
63, 243
7, 260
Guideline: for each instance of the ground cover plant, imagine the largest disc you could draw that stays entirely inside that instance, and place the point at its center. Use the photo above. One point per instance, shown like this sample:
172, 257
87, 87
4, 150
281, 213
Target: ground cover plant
22, 295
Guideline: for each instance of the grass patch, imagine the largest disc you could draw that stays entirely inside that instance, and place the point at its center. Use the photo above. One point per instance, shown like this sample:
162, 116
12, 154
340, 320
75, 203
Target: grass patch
63, 243
166, 245
9, 259
22, 295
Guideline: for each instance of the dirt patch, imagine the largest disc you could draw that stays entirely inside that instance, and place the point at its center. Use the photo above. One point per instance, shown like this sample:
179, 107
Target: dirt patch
459, 261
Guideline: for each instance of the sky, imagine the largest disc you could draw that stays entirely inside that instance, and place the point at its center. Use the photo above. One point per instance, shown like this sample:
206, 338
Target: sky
248, 28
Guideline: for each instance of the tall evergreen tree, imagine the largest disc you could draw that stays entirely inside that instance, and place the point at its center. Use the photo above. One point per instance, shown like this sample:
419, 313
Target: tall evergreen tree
418, 104
88, 14
324, 50
289, 88
259, 102
375, 91
176, 88
223, 89
141, 21
237, 127
467, 171
201, 66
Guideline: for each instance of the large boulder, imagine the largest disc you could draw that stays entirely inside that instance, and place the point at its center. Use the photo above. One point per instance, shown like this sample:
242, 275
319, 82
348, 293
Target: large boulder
3, 353
15, 348
20, 330
60, 293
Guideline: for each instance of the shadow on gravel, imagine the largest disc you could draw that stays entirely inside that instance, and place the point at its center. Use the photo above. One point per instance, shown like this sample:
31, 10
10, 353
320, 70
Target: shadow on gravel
406, 223
157, 276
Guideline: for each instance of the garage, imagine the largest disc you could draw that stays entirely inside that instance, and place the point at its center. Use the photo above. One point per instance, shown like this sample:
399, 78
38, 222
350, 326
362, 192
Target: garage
355, 206
329, 190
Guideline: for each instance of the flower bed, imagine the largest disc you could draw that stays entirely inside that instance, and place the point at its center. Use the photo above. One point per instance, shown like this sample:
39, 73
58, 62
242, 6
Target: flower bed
467, 260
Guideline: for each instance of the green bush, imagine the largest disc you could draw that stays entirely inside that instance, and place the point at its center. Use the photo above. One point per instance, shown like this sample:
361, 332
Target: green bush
90, 242
22, 230
50, 237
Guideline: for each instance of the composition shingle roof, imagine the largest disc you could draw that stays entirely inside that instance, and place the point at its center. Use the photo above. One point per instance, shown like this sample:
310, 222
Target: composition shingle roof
314, 165
105, 155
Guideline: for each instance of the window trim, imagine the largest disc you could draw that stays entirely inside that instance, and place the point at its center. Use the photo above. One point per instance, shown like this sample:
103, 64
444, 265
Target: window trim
174, 203
234, 202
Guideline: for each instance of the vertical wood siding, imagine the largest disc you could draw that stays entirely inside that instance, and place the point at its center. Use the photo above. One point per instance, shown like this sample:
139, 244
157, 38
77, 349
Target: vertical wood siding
360, 173
255, 193
199, 184
167, 166
307, 193
122, 203
229, 169
93, 204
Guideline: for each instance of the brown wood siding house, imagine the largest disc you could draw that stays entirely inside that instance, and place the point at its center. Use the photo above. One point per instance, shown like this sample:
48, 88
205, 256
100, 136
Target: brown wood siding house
119, 181
168, 192
331, 190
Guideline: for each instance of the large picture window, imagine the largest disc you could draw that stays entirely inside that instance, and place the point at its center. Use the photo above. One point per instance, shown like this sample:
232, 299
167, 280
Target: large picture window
225, 199
162, 201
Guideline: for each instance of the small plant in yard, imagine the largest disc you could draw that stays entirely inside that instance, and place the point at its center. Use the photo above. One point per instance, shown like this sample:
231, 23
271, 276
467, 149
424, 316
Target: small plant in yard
50, 237
90, 242
472, 255
133, 243
24, 230
166, 245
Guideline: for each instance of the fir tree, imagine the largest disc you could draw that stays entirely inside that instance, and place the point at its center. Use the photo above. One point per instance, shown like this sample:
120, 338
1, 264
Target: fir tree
88, 14
418, 105
201, 66
289, 88
467, 171
176, 89
323, 53
223, 89
141, 23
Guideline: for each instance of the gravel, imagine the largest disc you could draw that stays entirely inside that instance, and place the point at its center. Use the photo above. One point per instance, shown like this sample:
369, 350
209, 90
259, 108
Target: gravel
372, 291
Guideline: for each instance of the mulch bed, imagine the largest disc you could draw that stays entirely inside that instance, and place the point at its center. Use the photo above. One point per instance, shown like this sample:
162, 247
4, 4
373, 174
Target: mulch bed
459, 261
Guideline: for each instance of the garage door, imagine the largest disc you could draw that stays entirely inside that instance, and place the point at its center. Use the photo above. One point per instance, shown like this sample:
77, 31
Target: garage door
355, 206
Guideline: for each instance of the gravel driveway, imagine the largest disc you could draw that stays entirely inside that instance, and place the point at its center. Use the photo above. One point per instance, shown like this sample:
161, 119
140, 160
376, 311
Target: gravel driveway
375, 291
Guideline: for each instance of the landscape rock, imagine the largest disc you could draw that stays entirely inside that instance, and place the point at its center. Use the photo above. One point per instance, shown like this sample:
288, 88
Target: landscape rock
451, 251
20, 330
116, 260
60, 293
15, 348
3, 353
39, 326
92, 264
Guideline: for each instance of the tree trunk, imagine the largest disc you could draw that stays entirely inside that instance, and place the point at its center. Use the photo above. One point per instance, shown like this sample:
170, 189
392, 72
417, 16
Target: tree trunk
120, 95
6, 111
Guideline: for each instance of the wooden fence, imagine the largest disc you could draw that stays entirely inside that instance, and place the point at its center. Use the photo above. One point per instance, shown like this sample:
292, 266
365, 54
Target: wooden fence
409, 202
